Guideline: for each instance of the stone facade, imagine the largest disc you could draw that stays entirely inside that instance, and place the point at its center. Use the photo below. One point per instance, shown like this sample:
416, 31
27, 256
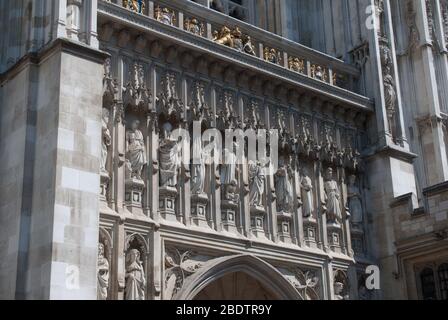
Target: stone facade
95, 200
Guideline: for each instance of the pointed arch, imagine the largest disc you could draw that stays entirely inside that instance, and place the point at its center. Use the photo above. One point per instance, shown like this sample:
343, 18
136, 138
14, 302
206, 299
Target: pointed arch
254, 267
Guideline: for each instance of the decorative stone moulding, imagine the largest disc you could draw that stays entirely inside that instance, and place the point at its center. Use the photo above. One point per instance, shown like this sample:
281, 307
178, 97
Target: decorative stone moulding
167, 203
228, 215
134, 195
199, 209
334, 232
284, 226
257, 217
310, 228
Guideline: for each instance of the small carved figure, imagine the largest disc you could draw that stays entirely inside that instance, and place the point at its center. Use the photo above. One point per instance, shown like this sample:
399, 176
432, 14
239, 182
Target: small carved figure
296, 64
165, 15
271, 55
194, 26
134, 5
318, 72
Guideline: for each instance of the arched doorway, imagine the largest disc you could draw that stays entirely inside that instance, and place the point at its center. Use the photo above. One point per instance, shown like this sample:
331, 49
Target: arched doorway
241, 277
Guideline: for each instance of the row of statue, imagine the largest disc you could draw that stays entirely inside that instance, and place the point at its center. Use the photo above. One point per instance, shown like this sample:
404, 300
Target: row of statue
170, 160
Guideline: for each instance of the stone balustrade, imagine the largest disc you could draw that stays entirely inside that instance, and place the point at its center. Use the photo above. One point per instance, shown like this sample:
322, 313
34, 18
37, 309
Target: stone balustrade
248, 39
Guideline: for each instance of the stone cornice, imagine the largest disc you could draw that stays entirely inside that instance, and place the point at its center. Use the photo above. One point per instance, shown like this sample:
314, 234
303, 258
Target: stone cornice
109, 12
436, 189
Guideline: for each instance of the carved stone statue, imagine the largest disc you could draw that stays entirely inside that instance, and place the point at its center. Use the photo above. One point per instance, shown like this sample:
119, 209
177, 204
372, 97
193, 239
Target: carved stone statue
354, 201
106, 140
307, 196
103, 274
333, 196
229, 172
135, 150
169, 158
256, 182
283, 190
338, 291
248, 47
198, 168
135, 276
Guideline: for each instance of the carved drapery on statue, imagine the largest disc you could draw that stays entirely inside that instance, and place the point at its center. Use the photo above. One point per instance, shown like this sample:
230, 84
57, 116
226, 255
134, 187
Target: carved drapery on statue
135, 151
169, 158
307, 196
332, 198
284, 190
135, 276
256, 184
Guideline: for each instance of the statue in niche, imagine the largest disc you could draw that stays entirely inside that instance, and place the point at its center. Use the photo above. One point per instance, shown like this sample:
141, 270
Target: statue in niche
135, 276
256, 182
170, 159
106, 140
283, 190
333, 196
307, 195
198, 167
229, 171
103, 274
354, 201
135, 150
339, 289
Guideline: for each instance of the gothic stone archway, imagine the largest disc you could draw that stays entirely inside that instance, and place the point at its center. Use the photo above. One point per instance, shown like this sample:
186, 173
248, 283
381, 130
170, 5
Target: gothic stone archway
238, 277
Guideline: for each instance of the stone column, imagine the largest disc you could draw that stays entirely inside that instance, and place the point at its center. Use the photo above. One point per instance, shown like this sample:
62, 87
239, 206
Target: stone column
59, 230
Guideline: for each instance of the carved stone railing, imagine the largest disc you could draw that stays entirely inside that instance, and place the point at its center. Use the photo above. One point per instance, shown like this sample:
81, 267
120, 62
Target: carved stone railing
248, 39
